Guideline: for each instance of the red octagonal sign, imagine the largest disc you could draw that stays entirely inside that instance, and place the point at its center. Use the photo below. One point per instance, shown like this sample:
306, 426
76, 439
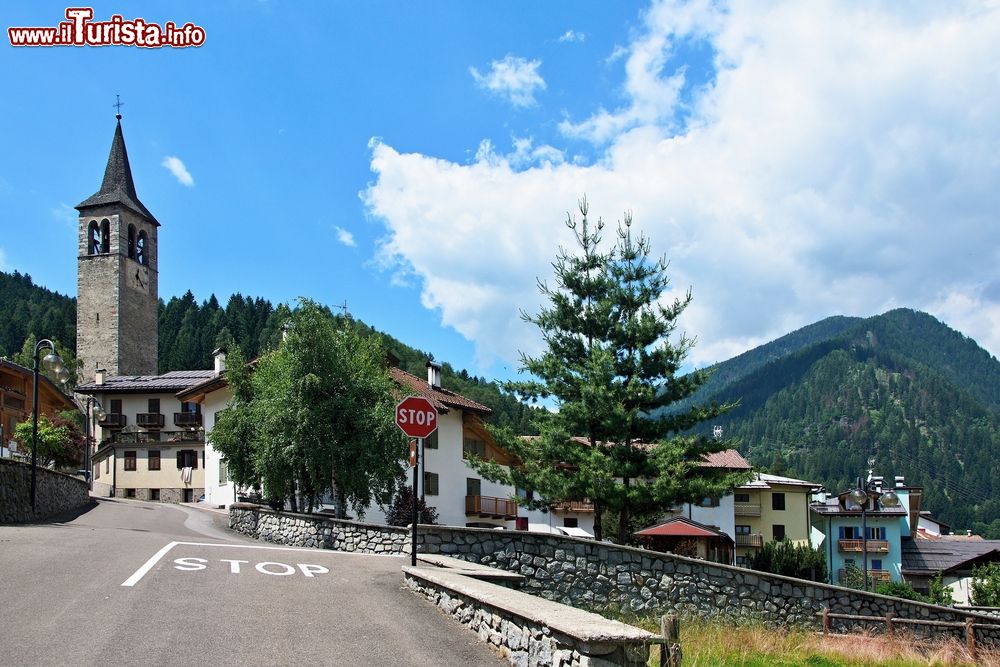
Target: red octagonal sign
416, 416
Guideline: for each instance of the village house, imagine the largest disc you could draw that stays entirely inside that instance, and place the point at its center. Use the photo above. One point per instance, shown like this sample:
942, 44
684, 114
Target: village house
838, 521
771, 508
15, 404
149, 445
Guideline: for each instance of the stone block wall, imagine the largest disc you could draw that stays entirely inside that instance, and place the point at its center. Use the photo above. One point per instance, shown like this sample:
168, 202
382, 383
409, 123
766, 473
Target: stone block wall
54, 493
594, 575
317, 530
518, 639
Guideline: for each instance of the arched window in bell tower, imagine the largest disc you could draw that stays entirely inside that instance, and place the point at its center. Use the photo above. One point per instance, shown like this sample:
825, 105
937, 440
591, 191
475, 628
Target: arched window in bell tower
131, 242
94, 246
105, 236
141, 255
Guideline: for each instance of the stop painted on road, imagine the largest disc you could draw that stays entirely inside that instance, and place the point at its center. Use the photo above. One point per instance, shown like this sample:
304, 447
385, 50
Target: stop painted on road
235, 566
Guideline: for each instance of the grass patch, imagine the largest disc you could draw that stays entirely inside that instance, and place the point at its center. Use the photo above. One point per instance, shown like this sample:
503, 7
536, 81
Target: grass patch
718, 642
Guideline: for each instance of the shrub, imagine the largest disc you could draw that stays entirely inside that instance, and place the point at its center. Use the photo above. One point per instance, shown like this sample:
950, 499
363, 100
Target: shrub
790, 560
400, 512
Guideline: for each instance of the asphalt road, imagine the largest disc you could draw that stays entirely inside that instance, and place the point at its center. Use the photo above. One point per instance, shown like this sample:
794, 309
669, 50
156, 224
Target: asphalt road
130, 582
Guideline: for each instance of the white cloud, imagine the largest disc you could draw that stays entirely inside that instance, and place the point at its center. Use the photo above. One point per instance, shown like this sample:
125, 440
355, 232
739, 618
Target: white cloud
3, 261
177, 168
842, 161
572, 36
345, 237
514, 78
65, 214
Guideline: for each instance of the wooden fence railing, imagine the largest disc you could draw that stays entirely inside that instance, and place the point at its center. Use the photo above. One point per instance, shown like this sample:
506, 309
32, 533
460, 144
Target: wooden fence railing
891, 622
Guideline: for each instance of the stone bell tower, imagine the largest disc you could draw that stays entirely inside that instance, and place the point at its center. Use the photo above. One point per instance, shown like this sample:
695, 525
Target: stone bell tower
117, 302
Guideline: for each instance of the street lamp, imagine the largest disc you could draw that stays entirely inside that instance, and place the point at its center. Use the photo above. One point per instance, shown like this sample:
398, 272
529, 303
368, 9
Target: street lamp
54, 363
861, 495
94, 408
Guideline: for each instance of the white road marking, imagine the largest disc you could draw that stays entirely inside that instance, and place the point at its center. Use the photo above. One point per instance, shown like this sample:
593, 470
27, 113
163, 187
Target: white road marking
148, 565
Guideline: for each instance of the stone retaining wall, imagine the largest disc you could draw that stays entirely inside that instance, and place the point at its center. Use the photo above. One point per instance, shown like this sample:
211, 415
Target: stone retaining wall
593, 575
317, 530
517, 638
55, 492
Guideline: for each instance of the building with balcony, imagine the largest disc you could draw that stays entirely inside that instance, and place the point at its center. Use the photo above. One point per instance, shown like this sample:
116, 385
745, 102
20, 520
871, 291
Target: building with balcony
445, 480
717, 513
15, 404
150, 445
870, 539
768, 508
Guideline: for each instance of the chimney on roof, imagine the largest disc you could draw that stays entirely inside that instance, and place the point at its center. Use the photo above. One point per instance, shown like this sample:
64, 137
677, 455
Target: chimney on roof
99, 376
900, 483
878, 481
433, 374
219, 355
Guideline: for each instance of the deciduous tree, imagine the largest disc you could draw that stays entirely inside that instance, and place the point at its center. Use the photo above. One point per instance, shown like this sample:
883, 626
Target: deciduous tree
314, 416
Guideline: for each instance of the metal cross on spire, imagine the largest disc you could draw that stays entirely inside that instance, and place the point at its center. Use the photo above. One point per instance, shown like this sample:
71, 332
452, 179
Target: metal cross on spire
118, 106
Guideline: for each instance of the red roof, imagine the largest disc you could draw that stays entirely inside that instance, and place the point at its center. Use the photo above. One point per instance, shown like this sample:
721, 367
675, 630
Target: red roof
680, 527
441, 398
729, 458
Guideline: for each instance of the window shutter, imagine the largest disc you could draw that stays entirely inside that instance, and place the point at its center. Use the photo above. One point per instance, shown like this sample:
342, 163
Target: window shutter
180, 459
194, 460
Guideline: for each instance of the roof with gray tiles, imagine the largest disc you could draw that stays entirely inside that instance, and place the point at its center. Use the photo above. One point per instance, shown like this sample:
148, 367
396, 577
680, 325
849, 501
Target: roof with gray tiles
173, 381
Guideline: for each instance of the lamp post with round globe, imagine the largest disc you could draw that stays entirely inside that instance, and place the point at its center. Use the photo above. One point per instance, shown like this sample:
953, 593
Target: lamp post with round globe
54, 363
861, 495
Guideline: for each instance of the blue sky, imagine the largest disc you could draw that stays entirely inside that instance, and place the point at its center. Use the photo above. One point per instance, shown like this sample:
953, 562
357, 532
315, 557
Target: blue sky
794, 160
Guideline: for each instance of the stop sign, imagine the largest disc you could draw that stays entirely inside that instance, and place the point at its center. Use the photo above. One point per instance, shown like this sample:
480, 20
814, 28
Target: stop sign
416, 416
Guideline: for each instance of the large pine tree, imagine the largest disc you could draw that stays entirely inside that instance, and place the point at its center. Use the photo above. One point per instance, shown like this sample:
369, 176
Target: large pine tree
610, 367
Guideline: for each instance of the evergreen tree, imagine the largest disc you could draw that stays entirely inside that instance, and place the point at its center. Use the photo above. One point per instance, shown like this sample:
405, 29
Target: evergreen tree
610, 368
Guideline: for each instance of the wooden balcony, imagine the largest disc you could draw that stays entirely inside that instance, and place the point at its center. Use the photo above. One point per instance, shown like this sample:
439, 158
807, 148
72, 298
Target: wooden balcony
874, 576
113, 420
149, 420
574, 506
490, 507
857, 546
749, 540
187, 419
746, 509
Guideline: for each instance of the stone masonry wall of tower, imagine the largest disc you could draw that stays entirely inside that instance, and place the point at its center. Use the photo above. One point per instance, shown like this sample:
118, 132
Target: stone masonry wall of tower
117, 293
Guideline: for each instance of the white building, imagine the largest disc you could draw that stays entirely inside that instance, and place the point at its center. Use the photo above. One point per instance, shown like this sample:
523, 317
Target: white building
445, 481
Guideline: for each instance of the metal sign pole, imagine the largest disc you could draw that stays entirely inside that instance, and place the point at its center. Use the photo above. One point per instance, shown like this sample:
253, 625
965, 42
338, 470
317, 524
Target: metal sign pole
413, 537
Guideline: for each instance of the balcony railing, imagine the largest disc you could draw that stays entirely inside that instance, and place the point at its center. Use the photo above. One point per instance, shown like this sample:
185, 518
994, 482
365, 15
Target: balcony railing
187, 419
749, 540
746, 509
113, 420
574, 506
874, 576
166, 437
149, 420
856, 546
488, 506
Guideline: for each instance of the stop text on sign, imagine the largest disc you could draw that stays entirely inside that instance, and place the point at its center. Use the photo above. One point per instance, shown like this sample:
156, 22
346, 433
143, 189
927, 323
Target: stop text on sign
416, 416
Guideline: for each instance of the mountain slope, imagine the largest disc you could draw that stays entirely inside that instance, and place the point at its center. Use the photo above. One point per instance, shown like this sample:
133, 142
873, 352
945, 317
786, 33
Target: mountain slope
920, 398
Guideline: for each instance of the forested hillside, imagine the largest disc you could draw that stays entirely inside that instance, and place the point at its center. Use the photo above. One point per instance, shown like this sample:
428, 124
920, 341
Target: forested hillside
30, 309
920, 398
189, 331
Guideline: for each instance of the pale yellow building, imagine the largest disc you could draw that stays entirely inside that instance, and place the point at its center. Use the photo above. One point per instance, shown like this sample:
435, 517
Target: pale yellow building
771, 507
150, 445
